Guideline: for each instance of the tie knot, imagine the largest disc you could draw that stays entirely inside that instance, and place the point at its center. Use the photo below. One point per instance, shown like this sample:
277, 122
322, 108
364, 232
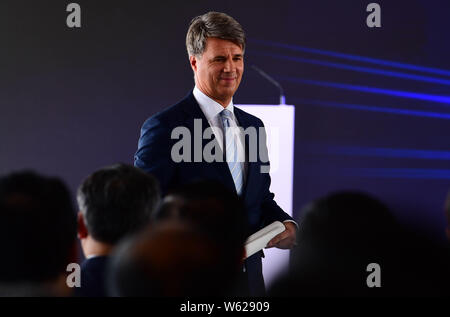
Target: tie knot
225, 113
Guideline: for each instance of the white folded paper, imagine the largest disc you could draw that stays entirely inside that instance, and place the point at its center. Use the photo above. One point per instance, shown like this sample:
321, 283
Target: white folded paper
259, 239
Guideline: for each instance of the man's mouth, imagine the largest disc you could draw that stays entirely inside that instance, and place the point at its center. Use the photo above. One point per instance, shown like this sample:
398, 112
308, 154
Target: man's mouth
228, 78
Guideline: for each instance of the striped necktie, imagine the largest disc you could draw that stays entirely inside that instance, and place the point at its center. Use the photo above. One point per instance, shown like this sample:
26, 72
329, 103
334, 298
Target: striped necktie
231, 150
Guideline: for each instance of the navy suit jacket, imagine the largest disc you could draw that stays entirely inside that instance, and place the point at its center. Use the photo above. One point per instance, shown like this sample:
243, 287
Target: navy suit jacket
154, 156
93, 277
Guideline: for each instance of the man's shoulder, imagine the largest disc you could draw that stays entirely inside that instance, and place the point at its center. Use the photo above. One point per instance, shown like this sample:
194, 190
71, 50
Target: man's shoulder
173, 114
94, 262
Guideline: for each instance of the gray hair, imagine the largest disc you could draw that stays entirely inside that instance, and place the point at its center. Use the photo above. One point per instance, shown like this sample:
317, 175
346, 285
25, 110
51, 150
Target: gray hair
213, 24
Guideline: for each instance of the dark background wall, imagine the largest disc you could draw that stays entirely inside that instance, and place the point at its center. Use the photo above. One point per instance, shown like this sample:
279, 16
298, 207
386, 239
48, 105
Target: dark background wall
73, 100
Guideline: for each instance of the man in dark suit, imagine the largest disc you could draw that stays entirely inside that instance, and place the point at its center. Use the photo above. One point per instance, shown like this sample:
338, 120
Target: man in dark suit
114, 202
216, 44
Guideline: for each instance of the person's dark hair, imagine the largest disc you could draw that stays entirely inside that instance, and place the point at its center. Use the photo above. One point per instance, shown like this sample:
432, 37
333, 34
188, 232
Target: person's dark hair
213, 210
354, 219
169, 259
37, 228
116, 201
213, 24
211, 207
342, 233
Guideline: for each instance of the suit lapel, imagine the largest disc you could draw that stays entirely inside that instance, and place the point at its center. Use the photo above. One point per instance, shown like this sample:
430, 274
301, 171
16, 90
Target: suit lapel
251, 166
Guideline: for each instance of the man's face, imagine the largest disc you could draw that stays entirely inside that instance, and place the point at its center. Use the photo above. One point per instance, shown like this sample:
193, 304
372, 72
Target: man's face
219, 70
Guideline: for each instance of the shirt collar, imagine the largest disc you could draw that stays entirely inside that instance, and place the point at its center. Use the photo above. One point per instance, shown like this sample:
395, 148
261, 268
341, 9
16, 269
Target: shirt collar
210, 107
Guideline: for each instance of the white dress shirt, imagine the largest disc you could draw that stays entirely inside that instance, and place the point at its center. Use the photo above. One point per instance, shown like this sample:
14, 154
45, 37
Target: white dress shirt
211, 109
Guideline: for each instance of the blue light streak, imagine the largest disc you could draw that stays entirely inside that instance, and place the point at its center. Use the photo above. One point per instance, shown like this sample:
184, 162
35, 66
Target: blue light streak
380, 152
372, 90
357, 68
417, 113
351, 57
400, 173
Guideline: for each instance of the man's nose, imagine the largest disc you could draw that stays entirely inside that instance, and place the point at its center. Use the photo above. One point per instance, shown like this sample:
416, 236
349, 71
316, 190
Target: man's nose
229, 66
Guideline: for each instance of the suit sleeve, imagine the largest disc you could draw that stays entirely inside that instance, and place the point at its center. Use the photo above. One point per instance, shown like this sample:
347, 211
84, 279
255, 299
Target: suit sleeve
270, 210
153, 154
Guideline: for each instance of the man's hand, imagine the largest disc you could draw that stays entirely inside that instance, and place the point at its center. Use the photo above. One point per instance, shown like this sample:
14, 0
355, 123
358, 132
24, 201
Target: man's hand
286, 239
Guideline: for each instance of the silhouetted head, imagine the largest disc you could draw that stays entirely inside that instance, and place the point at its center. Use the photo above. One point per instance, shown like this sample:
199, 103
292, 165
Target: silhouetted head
170, 259
211, 208
345, 235
38, 228
353, 220
339, 236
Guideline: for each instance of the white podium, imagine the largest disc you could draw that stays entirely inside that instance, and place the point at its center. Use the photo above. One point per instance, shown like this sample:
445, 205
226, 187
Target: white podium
279, 123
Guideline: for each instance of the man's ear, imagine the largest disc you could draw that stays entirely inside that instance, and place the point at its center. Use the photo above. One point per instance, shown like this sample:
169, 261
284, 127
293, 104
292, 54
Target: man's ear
81, 226
193, 62
243, 255
73, 253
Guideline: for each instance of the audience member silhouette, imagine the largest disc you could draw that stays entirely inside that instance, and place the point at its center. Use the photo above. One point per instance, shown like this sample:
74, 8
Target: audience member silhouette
169, 259
114, 202
37, 235
349, 243
211, 207
194, 247
343, 235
